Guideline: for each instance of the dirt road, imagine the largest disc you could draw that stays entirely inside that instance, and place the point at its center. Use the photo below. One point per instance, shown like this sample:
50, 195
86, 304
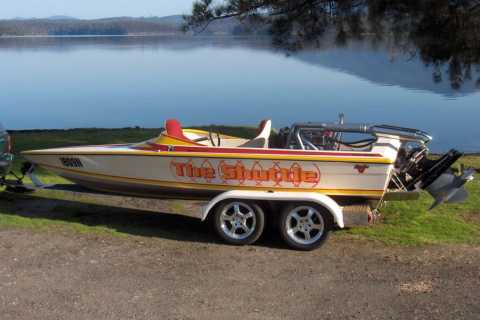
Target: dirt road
182, 272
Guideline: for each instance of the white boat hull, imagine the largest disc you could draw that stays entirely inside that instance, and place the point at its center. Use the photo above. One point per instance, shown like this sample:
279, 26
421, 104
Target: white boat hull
164, 174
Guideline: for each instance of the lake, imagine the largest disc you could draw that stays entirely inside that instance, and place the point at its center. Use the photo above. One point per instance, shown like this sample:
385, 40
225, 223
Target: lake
141, 81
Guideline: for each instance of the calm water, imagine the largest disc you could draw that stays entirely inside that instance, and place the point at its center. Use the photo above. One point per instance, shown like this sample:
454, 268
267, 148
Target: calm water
119, 82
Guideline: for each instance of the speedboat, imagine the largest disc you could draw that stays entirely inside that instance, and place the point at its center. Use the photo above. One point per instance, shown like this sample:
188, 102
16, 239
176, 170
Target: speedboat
354, 161
311, 176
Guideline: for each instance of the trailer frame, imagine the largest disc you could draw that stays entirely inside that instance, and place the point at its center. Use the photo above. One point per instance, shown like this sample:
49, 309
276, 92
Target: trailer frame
273, 202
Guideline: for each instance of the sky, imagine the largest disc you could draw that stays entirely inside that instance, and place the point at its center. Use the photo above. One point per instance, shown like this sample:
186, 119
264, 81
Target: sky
89, 9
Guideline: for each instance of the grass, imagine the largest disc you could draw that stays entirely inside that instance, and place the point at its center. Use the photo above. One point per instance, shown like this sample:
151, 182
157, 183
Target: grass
33, 221
403, 223
410, 222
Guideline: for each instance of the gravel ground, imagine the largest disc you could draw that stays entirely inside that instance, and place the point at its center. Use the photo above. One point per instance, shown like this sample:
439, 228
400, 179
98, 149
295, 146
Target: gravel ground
182, 272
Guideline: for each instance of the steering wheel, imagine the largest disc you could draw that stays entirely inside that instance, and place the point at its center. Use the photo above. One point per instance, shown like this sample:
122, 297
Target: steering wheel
210, 135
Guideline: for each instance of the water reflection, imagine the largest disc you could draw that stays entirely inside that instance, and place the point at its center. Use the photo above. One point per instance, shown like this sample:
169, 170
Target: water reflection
444, 34
381, 62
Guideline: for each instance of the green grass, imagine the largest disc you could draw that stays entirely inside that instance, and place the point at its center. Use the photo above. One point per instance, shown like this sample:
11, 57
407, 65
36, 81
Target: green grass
410, 222
34, 222
402, 223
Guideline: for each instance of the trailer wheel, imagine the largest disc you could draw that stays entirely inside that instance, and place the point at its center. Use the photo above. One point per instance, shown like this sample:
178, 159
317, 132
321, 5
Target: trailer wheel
305, 226
239, 222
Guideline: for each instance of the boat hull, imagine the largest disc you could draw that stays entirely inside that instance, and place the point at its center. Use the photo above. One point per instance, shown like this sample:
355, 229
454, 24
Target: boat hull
167, 174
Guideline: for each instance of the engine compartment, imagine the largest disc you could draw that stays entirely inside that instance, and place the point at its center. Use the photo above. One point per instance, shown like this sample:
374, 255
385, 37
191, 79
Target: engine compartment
415, 169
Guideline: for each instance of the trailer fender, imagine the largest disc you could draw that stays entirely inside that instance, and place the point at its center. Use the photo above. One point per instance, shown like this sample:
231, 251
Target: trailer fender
318, 198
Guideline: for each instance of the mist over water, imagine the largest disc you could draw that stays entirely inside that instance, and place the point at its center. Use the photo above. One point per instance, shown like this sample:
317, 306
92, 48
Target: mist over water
141, 81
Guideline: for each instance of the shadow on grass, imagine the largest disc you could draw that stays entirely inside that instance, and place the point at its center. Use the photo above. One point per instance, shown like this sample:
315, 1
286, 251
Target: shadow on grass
117, 221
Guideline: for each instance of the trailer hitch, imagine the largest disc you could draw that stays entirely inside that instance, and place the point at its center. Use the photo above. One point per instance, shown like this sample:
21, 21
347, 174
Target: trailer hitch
28, 169
17, 185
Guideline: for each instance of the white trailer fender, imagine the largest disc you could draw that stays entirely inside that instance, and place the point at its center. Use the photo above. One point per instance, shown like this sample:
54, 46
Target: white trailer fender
321, 199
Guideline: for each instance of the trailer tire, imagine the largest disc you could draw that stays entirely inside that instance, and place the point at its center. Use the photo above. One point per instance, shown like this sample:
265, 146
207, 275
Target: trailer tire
239, 222
305, 226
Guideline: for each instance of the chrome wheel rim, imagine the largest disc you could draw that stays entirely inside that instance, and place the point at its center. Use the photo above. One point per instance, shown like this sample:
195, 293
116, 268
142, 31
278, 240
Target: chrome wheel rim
238, 220
305, 225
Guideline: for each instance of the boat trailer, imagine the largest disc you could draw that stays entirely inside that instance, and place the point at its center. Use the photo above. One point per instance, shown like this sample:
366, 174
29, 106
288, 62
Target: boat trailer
354, 214
345, 216
335, 212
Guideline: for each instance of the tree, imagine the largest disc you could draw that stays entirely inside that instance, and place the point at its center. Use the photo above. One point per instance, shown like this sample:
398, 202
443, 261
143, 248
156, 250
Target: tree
440, 31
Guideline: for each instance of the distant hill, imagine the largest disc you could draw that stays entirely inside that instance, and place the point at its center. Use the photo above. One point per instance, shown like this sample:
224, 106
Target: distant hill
175, 19
65, 25
61, 17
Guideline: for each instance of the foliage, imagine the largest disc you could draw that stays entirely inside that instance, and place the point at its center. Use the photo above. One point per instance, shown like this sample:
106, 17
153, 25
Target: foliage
439, 31
171, 25
110, 26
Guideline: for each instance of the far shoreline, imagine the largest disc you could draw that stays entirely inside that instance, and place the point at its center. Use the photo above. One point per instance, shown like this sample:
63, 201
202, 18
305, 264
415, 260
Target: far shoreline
94, 35
137, 35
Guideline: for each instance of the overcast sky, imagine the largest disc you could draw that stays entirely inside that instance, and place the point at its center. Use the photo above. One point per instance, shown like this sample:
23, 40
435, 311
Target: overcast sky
88, 9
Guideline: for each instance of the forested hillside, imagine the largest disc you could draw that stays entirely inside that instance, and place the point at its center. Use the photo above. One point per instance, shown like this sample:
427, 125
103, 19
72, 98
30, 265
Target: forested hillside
66, 26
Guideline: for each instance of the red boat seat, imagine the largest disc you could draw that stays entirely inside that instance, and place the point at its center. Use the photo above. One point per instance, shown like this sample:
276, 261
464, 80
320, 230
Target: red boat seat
174, 129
